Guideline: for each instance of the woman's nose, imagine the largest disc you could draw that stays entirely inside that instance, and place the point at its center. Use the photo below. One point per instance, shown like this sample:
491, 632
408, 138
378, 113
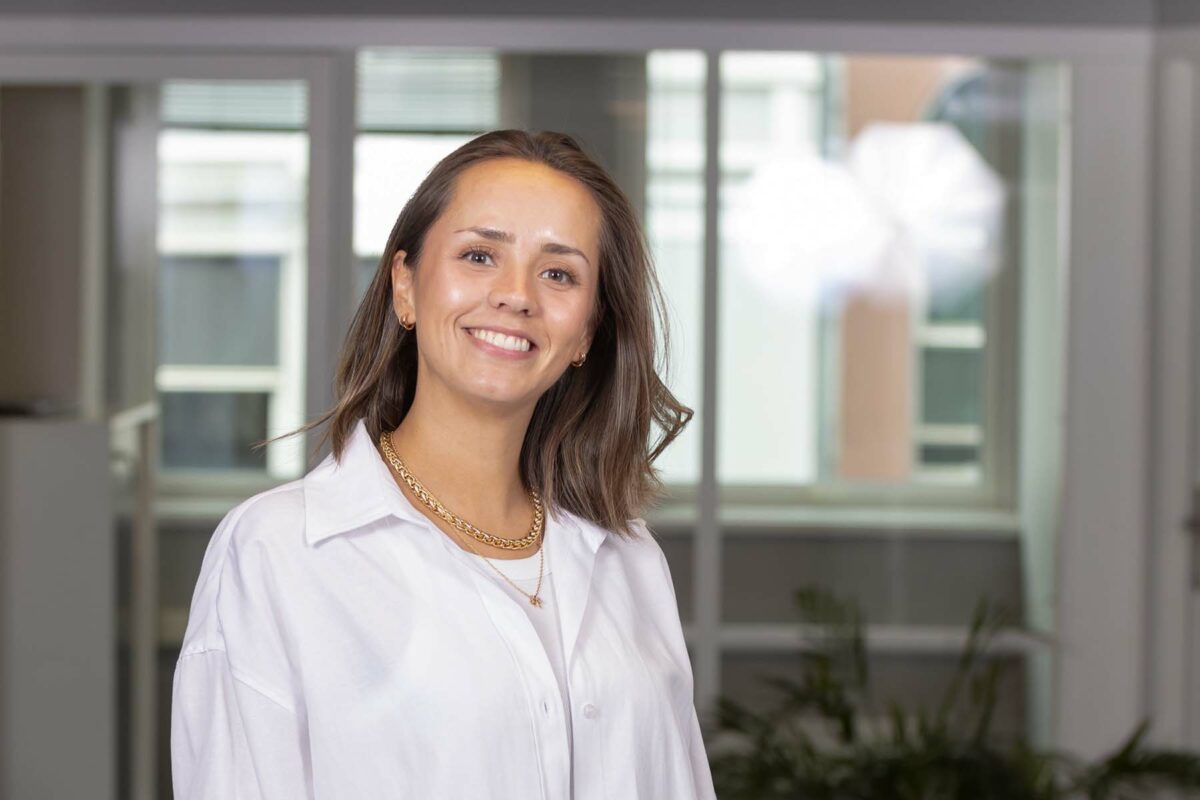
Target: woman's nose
512, 288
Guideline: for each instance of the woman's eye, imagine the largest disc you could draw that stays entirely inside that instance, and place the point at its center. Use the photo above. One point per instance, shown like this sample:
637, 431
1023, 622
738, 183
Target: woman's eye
471, 254
483, 257
568, 277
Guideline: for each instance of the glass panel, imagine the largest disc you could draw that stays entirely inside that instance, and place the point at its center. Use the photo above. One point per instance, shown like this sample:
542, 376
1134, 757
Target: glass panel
952, 387
232, 185
869, 253
214, 430
219, 310
771, 114
641, 116
430, 91
965, 306
675, 227
240, 105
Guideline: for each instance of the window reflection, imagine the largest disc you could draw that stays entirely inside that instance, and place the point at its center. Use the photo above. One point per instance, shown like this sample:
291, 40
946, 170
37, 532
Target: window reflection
867, 241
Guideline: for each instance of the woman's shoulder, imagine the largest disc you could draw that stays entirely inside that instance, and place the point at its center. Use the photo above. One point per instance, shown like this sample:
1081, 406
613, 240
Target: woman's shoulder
640, 548
254, 531
639, 539
644, 570
272, 519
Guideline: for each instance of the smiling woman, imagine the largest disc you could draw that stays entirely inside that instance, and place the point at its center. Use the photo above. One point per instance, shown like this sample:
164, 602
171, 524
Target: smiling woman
508, 263
525, 235
469, 563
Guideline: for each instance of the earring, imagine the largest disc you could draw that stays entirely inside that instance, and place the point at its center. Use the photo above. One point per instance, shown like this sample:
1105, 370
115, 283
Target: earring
579, 363
404, 323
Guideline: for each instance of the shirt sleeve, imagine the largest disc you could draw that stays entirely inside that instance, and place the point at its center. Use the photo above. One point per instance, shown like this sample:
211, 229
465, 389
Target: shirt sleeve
231, 740
239, 729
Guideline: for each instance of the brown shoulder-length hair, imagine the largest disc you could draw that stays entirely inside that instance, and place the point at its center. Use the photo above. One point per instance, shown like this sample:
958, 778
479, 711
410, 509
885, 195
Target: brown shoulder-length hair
588, 447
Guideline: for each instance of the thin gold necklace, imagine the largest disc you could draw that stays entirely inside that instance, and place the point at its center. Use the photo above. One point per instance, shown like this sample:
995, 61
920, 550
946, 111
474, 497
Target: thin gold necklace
461, 525
534, 600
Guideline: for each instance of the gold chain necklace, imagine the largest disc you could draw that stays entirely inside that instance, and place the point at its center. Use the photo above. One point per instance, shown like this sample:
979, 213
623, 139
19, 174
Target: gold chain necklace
535, 529
461, 525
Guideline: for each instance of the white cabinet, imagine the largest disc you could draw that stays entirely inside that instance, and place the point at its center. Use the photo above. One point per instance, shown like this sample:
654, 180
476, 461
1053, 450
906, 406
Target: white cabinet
57, 611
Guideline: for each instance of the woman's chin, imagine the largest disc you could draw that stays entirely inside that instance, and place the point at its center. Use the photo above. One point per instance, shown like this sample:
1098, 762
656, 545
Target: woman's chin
495, 395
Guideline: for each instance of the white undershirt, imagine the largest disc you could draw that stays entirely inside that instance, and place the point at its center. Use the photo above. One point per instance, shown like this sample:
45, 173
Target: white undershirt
524, 573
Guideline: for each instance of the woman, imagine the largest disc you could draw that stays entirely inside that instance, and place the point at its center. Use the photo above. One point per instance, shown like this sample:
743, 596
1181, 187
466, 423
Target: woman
459, 602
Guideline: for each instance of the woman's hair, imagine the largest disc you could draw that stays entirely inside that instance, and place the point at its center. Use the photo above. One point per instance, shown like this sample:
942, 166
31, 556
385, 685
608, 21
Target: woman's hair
587, 448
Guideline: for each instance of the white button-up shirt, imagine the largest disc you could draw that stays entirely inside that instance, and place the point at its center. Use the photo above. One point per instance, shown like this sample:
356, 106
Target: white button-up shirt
341, 646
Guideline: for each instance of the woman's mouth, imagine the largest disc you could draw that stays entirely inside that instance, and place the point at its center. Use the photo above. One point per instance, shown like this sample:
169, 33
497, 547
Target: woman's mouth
500, 345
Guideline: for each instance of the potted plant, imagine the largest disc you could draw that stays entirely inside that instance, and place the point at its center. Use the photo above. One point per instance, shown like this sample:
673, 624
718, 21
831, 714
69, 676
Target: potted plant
816, 745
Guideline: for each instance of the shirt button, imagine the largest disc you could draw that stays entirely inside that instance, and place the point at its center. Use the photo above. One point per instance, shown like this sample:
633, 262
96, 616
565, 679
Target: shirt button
545, 707
589, 711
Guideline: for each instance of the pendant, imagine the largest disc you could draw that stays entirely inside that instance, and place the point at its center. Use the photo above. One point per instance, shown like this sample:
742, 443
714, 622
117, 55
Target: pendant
535, 601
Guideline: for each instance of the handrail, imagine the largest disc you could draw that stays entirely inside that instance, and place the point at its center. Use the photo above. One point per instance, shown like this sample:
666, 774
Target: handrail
142, 422
132, 417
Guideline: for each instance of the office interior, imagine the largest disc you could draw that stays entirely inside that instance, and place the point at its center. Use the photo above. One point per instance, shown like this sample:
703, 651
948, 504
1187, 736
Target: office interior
932, 278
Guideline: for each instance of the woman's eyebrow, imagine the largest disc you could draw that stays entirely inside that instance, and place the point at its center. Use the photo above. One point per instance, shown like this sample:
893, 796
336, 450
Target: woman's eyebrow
495, 235
490, 233
564, 250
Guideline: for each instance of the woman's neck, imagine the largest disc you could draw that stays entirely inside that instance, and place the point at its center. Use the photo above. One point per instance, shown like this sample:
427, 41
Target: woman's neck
469, 460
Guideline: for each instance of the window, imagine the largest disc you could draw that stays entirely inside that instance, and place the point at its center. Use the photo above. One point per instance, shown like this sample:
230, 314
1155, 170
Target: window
233, 163
868, 278
768, 426
675, 228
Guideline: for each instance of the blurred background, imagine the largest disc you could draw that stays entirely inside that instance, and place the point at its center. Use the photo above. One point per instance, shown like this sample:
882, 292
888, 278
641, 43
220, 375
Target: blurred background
932, 286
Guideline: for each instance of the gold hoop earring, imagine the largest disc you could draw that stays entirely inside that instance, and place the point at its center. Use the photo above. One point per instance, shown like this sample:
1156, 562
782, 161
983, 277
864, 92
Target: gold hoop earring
404, 323
579, 363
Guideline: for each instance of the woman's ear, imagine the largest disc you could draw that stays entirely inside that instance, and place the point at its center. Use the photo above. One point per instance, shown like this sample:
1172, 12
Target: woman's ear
402, 285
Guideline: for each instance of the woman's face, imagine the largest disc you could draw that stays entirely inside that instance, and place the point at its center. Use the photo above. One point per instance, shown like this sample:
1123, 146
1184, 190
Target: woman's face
515, 251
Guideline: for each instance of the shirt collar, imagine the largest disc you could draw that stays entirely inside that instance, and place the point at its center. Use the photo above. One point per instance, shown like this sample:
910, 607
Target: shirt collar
342, 496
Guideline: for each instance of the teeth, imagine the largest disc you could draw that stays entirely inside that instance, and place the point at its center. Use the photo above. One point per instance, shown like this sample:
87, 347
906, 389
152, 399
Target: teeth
500, 340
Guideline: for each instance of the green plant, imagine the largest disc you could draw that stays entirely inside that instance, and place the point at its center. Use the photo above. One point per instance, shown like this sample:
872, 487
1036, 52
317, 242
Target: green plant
814, 745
